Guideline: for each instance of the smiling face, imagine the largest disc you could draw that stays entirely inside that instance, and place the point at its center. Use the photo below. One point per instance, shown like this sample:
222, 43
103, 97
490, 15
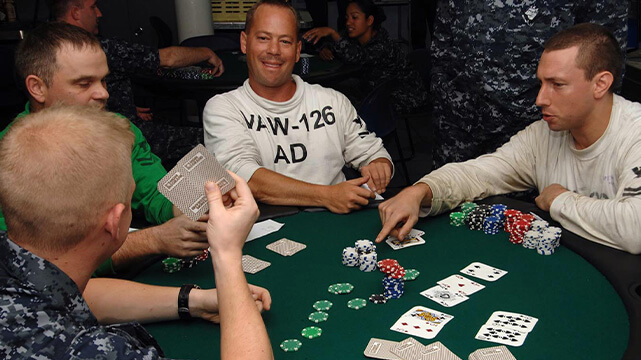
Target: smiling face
272, 49
359, 26
566, 97
79, 78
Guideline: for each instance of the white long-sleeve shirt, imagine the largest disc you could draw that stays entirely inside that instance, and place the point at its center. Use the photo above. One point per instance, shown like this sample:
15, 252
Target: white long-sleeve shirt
604, 201
310, 137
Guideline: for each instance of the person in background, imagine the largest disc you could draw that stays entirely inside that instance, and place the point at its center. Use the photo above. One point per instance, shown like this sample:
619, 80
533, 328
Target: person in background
366, 43
67, 213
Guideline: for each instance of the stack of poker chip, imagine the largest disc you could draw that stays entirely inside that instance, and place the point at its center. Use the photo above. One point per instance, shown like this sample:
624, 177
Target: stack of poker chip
393, 282
531, 239
466, 207
511, 215
457, 218
498, 210
550, 240
363, 255
555, 234
476, 217
171, 265
492, 225
518, 230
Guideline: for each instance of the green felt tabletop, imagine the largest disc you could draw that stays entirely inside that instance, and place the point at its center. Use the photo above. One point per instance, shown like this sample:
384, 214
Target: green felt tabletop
580, 315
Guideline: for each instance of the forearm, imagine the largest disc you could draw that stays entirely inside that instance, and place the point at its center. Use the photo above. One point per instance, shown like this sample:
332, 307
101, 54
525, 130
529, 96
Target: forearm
179, 56
611, 222
238, 313
138, 246
115, 301
273, 188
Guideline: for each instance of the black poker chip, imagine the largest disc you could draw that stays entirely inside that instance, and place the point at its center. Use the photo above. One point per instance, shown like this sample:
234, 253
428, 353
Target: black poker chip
378, 299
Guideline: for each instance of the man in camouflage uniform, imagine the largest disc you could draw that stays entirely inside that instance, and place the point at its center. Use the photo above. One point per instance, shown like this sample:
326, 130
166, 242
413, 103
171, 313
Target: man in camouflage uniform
484, 58
75, 217
127, 59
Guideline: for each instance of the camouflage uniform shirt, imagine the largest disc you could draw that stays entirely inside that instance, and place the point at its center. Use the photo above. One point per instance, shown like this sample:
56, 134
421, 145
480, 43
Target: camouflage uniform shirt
485, 55
382, 59
43, 315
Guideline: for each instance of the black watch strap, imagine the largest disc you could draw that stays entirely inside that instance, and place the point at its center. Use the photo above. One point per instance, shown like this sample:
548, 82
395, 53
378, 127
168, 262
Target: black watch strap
183, 301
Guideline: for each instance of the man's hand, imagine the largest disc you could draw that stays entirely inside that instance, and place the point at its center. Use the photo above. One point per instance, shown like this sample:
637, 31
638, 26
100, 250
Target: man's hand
547, 196
144, 114
182, 237
326, 54
204, 303
314, 35
347, 196
215, 61
228, 227
400, 213
380, 174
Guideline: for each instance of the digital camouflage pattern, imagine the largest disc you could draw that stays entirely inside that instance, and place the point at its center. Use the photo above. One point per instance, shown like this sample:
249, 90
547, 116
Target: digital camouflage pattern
382, 59
126, 59
484, 59
43, 316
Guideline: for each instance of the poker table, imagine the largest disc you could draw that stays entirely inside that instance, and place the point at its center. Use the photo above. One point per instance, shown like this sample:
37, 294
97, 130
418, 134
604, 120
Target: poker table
583, 312
320, 72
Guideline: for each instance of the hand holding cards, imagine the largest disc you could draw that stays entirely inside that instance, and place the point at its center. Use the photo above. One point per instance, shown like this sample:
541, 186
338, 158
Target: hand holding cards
412, 239
184, 185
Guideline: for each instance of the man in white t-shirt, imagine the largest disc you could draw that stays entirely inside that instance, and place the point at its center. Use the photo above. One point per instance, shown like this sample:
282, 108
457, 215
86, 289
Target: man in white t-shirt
584, 157
290, 140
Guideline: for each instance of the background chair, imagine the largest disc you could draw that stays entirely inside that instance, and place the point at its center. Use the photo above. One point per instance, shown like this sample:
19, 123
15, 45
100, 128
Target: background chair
216, 42
377, 112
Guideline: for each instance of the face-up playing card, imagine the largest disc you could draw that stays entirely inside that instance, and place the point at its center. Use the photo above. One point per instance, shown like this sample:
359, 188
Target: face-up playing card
412, 239
444, 296
461, 285
492, 353
422, 322
184, 185
380, 349
286, 247
501, 335
253, 265
513, 321
482, 271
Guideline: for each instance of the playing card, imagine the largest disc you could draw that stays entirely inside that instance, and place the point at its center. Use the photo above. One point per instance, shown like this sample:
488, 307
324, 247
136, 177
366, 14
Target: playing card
512, 320
184, 185
483, 271
492, 353
461, 285
438, 351
422, 322
253, 265
409, 349
412, 239
501, 335
380, 349
444, 296
286, 247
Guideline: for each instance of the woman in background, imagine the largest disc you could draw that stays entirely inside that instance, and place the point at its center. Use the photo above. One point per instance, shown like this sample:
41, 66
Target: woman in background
364, 42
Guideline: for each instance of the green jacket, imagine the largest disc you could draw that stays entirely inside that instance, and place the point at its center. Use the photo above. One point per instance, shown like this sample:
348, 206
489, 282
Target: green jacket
147, 170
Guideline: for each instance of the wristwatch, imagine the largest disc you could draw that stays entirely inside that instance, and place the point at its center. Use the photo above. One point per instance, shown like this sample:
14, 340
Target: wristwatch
183, 301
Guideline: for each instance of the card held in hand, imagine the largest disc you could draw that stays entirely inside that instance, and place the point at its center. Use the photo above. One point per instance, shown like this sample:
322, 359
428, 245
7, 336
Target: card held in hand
184, 185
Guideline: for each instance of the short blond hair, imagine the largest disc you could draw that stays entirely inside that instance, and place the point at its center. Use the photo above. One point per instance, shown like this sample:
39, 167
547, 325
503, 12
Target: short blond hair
61, 169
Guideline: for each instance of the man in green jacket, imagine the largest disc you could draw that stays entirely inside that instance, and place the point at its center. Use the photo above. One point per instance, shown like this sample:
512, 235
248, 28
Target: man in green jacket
61, 63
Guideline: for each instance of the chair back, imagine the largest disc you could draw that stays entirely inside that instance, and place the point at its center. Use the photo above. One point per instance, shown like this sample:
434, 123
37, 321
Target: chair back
376, 110
215, 42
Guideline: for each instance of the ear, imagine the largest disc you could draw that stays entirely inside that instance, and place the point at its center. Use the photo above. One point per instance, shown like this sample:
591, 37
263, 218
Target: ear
243, 42
299, 46
74, 13
36, 88
602, 83
370, 20
112, 223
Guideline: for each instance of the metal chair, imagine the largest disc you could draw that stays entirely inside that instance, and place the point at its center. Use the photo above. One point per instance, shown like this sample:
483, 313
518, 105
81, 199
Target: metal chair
377, 112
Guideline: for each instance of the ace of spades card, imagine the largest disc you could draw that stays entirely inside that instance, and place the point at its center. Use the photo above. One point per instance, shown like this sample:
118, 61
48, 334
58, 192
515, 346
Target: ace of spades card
422, 322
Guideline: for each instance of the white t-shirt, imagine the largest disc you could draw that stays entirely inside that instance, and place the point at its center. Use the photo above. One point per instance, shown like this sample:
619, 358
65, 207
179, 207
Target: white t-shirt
604, 201
310, 137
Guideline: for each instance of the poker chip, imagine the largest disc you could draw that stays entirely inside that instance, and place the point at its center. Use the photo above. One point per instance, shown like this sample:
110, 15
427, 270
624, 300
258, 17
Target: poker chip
368, 261
351, 257
171, 265
203, 256
291, 345
322, 305
466, 207
188, 263
492, 225
318, 316
411, 274
364, 246
457, 218
340, 288
378, 299
356, 303
311, 332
